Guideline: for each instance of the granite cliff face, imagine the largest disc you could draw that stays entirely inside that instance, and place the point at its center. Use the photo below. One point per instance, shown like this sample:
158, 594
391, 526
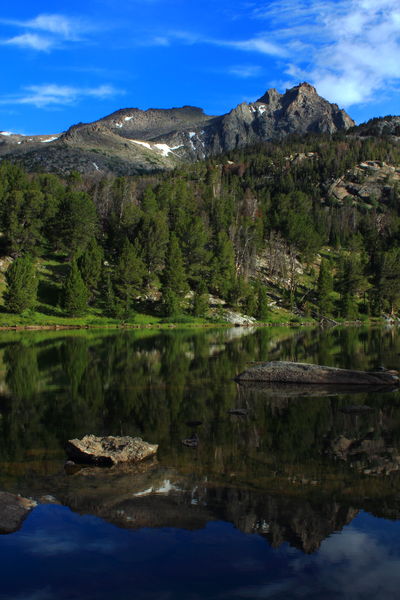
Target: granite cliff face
132, 141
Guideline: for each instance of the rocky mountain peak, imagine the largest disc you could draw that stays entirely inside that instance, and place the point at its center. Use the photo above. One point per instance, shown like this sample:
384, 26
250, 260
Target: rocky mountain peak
132, 140
271, 96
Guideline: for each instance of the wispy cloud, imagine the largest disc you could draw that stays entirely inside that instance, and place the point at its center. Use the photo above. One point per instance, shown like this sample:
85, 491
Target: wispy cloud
46, 31
53, 95
31, 40
256, 44
245, 71
259, 43
349, 49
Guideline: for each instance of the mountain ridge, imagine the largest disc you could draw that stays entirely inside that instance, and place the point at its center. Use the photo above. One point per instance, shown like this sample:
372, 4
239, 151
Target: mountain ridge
131, 140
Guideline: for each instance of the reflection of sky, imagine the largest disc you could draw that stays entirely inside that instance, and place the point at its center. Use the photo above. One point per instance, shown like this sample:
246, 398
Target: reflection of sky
59, 555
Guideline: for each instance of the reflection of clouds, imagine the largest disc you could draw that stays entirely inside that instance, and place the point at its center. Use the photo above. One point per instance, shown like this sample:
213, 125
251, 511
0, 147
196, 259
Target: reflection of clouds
52, 544
352, 565
359, 566
44, 594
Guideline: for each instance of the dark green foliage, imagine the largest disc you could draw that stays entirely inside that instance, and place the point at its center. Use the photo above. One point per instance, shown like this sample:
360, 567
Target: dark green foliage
200, 301
22, 284
262, 303
78, 222
209, 223
75, 294
128, 278
171, 302
349, 284
90, 265
152, 242
109, 304
175, 285
325, 288
223, 272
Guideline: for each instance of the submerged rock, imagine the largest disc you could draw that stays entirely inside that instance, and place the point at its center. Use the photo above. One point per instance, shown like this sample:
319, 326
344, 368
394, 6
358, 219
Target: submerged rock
13, 510
238, 412
304, 373
109, 450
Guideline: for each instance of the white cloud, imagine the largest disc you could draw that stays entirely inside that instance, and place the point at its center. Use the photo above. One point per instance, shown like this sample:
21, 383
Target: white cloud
349, 49
48, 95
245, 71
57, 29
257, 44
31, 40
59, 24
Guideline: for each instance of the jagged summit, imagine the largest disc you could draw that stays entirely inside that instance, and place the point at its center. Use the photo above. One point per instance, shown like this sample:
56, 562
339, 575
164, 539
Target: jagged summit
132, 140
272, 95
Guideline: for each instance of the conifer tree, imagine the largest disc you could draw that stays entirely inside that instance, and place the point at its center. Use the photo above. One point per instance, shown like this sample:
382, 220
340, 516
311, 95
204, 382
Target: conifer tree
262, 303
22, 284
109, 305
324, 289
128, 278
78, 220
90, 265
175, 284
75, 294
223, 273
200, 300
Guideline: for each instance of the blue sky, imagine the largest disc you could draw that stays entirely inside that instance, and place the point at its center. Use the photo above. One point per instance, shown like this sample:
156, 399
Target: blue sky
65, 62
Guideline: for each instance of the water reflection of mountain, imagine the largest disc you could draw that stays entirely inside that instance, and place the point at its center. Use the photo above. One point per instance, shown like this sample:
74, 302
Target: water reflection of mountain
275, 471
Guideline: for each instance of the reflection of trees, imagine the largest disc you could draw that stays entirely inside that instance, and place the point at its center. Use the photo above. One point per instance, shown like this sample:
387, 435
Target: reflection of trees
152, 384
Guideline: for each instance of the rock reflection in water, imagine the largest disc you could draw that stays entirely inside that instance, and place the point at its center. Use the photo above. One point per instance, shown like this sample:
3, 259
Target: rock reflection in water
271, 471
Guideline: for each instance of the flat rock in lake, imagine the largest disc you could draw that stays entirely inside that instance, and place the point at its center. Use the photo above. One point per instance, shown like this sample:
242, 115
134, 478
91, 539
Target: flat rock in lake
13, 510
305, 373
109, 450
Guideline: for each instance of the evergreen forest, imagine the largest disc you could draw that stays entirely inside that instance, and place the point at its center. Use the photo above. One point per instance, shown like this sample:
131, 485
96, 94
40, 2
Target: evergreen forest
257, 231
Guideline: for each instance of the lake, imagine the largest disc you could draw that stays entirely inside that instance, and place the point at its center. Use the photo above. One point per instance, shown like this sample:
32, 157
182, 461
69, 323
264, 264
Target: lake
294, 496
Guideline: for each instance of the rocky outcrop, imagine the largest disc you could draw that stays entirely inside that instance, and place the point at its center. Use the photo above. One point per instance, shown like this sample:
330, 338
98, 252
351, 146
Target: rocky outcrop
369, 183
13, 510
304, 373
109, 450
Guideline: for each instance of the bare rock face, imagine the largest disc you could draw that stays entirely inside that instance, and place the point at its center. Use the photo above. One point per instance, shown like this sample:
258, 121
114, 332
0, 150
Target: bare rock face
274, 116
13, 510
109, 450
304, 373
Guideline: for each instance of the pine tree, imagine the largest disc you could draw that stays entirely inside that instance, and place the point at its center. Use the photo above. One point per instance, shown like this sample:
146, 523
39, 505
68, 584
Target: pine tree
262, 303
350, 281
22, 284
200, 301
109, 305
324, 289
75, 293
128, 278
78, 220
175, 285
90, 265
223, 272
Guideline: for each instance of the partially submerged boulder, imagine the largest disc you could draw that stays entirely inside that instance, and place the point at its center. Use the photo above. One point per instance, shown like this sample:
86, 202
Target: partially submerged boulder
13, 510
110, 450
304, 373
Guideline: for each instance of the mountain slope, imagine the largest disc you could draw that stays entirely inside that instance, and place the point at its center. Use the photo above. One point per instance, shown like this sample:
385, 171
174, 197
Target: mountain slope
132, 141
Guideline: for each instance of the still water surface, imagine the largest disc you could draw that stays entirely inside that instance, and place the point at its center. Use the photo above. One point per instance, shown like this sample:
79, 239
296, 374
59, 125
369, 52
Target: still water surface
268, 505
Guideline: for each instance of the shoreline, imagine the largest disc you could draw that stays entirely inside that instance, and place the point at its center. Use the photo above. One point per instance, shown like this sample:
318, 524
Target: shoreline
177, 325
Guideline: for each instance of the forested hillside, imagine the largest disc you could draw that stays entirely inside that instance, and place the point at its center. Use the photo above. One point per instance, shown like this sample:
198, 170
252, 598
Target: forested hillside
310, 225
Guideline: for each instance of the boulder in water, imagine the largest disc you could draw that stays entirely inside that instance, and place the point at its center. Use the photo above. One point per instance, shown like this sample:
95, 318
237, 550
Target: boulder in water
109, 450
13, 510
305, 373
